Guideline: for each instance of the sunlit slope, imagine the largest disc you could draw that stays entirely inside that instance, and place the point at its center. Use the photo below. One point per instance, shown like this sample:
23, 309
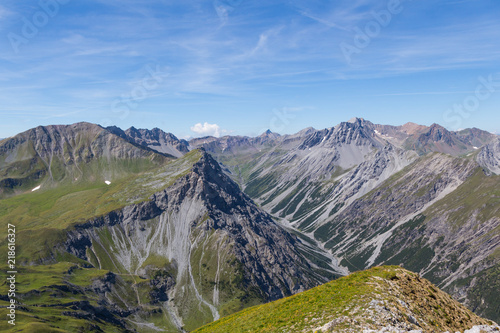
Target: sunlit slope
78, 154
382, 297
43, 217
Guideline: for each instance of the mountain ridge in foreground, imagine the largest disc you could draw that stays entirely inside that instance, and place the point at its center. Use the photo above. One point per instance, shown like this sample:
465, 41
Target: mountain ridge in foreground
381, 299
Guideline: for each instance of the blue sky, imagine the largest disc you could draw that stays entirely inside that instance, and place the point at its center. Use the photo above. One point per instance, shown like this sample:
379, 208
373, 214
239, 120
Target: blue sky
240, 66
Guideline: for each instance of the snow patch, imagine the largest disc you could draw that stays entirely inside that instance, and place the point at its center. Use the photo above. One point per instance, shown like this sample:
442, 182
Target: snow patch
36, 188
107, 182
475, 147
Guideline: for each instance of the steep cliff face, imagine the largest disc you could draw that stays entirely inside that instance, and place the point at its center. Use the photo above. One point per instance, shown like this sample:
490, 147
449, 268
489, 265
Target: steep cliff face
489, 157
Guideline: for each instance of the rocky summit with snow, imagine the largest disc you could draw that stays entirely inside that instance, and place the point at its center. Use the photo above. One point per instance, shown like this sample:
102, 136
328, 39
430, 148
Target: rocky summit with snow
137, 230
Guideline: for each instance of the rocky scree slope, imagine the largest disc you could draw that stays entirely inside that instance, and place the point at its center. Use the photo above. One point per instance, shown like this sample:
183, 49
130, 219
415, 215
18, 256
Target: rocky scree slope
195, 250
362, 194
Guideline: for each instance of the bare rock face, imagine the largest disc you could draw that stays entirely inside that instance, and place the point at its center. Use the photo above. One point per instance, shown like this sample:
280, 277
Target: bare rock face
215, 243
158, 140
489, 157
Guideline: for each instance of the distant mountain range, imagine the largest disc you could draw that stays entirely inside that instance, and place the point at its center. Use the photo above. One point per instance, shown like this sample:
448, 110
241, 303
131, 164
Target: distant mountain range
145, 231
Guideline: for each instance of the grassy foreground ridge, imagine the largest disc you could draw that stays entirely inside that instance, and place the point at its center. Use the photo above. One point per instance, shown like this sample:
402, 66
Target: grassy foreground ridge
387, 296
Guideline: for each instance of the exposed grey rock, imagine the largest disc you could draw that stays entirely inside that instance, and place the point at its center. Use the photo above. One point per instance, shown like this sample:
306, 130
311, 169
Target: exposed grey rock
204, 211
361, 191
489, 157
158, 140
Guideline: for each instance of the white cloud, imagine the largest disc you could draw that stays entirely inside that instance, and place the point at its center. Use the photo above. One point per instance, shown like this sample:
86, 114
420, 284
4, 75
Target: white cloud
207, 129
264, 37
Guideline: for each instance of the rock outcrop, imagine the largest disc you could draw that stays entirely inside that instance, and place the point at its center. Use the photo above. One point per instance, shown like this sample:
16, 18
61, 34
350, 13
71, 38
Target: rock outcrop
489, 157
214, 243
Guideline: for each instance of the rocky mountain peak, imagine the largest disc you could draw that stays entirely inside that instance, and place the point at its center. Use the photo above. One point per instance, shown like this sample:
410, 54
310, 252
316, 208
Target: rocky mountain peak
437, 133
56, 154
266, 133
357, 131
155, 139
220, 246
306, 131
475, 137
267, 137
215, 184
132, 131
356, 120
412, 128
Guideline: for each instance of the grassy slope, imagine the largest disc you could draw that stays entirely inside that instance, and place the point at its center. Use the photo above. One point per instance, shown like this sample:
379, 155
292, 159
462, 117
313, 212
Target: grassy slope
350, 297
45, 292
45, 285
60, 298
42, 217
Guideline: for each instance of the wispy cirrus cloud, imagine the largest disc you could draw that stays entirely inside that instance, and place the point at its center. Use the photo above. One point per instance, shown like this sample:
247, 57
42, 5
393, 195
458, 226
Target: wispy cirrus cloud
244, 55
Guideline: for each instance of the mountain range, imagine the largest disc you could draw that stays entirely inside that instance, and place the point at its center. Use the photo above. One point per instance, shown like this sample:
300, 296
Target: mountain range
139, 230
